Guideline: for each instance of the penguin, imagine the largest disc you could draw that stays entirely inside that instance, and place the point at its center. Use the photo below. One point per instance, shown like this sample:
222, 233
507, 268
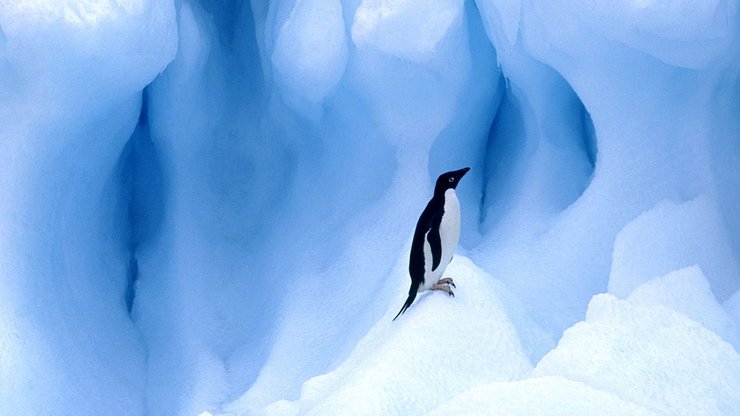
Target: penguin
435, 239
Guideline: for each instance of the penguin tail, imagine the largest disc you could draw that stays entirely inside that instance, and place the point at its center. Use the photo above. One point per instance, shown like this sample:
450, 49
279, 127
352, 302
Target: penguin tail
409, 301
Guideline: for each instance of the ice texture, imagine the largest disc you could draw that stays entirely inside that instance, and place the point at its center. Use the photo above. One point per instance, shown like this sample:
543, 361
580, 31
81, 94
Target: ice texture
310, 49
397, 28
542, 396
71, 80
688, 291
206, 206
672, 236
649, 355
650, 141
425, 350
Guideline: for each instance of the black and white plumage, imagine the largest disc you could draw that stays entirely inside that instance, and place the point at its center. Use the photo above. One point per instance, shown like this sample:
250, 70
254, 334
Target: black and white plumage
435, 239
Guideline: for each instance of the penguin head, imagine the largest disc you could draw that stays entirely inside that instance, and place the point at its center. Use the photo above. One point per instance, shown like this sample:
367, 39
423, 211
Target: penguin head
449, 180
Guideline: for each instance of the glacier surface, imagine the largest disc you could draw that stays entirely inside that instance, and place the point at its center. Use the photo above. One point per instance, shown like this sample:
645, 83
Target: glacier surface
206, 207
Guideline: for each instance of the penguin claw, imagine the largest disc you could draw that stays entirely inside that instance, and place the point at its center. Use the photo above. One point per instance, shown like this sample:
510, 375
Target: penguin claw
444, 288
447, 280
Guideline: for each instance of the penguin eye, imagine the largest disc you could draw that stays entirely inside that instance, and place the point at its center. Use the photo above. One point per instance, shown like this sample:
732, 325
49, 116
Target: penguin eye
451, 179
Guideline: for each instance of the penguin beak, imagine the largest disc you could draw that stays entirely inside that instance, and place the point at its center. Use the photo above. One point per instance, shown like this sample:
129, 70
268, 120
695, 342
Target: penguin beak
463, 171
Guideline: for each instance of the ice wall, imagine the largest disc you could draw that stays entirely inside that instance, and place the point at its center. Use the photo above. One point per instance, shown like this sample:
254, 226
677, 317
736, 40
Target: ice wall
207, 206
71, 75
652, 99
285, 169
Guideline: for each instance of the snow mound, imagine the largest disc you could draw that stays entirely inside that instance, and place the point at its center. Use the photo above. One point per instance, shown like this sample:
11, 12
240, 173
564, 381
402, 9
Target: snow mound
542, 396
440, 347
671, 236
651, 356
687, 291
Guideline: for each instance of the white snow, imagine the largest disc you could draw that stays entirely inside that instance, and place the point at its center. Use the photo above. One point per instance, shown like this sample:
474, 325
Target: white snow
688, 291
669, 237
205, 206
651, 356
542, 396
440, 347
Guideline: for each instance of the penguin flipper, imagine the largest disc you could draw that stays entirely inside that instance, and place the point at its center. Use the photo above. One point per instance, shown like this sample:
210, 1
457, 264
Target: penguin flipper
409, 300
435, 245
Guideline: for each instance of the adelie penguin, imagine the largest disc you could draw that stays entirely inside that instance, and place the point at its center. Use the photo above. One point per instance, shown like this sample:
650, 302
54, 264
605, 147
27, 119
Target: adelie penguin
435, 239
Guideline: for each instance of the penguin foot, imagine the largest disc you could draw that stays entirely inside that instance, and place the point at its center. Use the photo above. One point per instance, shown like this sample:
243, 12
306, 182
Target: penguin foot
446, 280
445, 288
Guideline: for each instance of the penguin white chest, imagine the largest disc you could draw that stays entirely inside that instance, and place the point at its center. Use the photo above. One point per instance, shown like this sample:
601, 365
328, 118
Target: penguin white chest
449, 233
449, 229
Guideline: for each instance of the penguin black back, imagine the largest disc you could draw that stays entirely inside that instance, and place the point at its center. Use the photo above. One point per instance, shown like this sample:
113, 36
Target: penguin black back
428, 232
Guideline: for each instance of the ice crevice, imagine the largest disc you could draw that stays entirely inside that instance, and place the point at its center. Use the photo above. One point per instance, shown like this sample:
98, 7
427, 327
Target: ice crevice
533, 129
143, 193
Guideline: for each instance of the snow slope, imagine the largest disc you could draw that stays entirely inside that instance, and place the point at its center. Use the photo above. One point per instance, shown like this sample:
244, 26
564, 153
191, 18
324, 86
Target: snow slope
441, 348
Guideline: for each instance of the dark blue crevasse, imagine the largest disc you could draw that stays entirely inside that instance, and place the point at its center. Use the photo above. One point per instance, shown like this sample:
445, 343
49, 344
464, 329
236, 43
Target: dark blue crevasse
550, 113
589, 135
142, 185
506, 143
226, 16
